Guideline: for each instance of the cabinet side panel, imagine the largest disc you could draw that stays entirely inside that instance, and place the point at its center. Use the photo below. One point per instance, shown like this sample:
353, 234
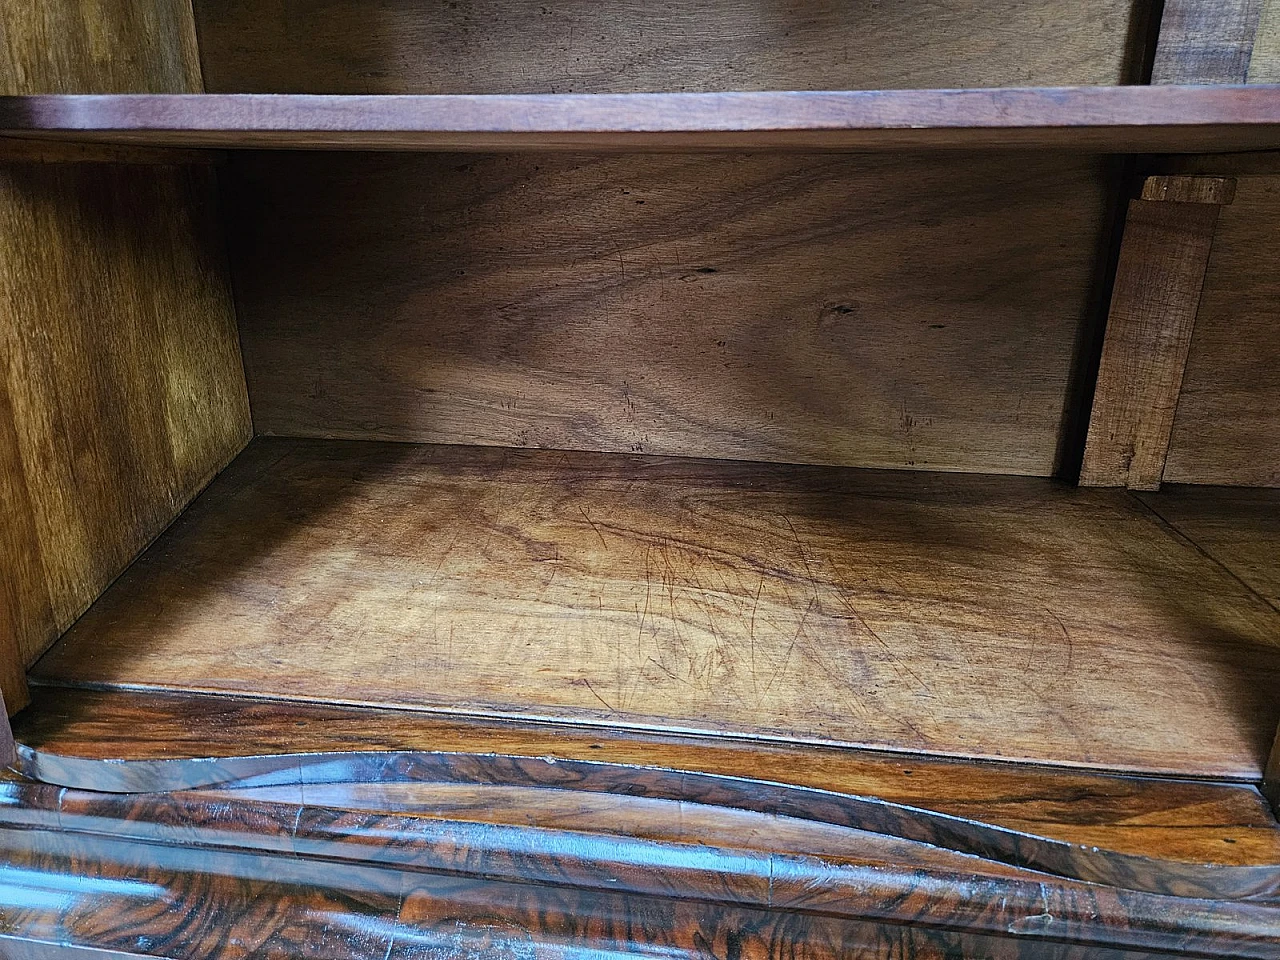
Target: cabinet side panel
867, 311
580, 46
1227, 429
121, 388
108, 46
123, 372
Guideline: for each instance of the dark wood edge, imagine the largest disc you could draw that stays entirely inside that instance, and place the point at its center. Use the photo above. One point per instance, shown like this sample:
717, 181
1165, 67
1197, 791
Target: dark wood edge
8, 747
997, 844
1271, 778
32, 150
1249, 163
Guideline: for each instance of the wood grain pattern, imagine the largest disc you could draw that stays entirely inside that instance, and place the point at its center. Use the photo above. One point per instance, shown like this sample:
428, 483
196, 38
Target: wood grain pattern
1239, 528
1175, 820
1227, 429
1206, 41
1264, 66
574, 46
109, 46
971, 616
123, 386
624, 852
431, 842
1168, 234
1218, 190
1135, 119
869, 311
174, 899
99, 270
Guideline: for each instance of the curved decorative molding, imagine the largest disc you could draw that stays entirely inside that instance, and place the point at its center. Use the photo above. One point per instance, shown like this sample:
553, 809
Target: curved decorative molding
1022, 850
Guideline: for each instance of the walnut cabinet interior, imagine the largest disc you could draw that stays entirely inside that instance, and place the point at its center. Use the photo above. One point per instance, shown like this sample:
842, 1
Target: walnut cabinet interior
804, 397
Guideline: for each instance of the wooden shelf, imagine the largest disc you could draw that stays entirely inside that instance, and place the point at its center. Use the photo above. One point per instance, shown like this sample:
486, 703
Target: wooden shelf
1134, 119
1006, 618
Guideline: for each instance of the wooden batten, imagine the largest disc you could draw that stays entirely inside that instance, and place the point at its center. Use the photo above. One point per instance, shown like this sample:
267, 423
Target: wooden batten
1206, 41
1264, 65
1165, 253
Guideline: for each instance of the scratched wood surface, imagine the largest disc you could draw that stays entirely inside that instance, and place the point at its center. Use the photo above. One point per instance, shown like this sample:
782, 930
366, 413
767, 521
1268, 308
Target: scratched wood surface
1227, 428
1177, 820
901, 311
494, 46
986, 617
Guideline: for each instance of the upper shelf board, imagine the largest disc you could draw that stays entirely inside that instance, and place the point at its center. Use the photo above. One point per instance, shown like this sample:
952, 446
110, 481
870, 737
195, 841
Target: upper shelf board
1133, 119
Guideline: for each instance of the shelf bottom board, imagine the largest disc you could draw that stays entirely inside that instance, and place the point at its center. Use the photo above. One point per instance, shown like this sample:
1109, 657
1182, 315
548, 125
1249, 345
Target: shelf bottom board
1004, 618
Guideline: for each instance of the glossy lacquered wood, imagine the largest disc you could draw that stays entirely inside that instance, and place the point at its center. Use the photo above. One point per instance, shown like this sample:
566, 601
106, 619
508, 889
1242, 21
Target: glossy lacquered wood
679, 835
1132, 119
180, 843
1189, 821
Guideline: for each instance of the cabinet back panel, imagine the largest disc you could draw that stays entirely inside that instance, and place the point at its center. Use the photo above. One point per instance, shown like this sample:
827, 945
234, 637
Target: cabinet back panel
1227, 429
888, 311
581, 46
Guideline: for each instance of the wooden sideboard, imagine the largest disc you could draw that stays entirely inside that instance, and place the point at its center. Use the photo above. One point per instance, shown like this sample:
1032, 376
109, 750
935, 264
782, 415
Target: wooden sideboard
718, 480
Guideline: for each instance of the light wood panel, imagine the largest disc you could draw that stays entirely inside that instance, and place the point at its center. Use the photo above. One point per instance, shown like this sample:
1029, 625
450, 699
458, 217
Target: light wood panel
123, 383
1206, 41
1227, 429
1168, 234
497, 46
898, 312
106, 275
1006, 618
1138, 119
107, 46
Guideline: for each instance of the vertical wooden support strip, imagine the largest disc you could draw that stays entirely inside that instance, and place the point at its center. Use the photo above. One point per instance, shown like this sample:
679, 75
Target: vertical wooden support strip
1264, 65
1206, 41
1165, 251
8, 749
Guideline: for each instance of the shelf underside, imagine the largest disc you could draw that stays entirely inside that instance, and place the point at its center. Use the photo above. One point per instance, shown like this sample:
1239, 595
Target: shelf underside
1133, 119
968, 616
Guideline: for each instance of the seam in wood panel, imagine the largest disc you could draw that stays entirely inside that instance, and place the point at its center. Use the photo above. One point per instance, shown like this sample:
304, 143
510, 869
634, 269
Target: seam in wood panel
640, 731
1186, 538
